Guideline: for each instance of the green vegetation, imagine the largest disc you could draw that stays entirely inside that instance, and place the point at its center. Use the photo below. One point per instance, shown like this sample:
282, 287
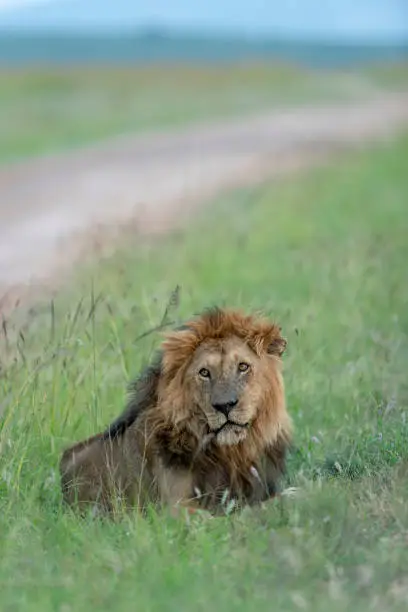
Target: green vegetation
326, 254
44, 111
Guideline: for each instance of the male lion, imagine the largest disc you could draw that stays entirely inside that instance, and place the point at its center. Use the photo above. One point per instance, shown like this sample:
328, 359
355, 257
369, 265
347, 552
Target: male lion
205, 427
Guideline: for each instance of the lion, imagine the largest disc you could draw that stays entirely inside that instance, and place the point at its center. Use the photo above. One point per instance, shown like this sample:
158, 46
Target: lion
205, 426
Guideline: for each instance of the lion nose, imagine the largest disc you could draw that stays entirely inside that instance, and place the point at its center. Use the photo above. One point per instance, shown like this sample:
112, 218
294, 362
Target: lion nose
225, 407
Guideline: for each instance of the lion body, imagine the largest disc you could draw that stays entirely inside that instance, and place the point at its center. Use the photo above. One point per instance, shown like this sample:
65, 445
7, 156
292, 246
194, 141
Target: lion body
171, 446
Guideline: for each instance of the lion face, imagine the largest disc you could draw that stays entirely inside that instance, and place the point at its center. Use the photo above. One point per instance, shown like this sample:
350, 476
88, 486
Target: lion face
227, 382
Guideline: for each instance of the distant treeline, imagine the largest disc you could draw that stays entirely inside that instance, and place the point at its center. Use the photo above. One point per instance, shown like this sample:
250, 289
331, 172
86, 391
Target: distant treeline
20, 48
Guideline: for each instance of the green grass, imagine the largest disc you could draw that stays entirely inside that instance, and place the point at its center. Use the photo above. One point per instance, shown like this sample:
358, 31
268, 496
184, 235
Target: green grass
42, 111
326, 254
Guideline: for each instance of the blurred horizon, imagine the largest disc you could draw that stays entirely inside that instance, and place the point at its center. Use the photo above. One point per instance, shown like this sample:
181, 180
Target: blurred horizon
152, 46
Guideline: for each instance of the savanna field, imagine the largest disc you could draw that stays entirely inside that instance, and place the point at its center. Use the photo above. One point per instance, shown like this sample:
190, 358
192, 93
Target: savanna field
47, 110
325, 253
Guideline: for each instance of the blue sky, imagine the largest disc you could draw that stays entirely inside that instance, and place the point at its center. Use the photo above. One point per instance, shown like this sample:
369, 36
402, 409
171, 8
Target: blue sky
367, 19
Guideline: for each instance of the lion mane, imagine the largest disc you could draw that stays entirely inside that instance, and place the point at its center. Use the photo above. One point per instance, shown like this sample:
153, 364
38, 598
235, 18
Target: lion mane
161, 450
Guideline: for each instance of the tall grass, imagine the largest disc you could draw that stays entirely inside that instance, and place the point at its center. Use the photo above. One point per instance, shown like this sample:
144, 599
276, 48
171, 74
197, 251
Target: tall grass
326, 255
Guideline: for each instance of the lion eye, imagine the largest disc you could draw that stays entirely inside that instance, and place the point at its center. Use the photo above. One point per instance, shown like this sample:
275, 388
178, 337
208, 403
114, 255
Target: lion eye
243, 367
204, 373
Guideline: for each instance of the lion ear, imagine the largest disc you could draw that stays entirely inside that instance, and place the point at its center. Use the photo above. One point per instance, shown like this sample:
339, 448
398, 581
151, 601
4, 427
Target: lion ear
277, 346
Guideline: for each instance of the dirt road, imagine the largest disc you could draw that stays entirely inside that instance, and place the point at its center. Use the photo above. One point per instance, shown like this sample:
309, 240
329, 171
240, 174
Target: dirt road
143, 179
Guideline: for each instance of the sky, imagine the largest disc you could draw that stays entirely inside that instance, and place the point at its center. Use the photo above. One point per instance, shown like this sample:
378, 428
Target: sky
340, 19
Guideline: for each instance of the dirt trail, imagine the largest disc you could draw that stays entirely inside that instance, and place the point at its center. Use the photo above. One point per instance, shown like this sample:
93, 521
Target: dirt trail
48, 202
